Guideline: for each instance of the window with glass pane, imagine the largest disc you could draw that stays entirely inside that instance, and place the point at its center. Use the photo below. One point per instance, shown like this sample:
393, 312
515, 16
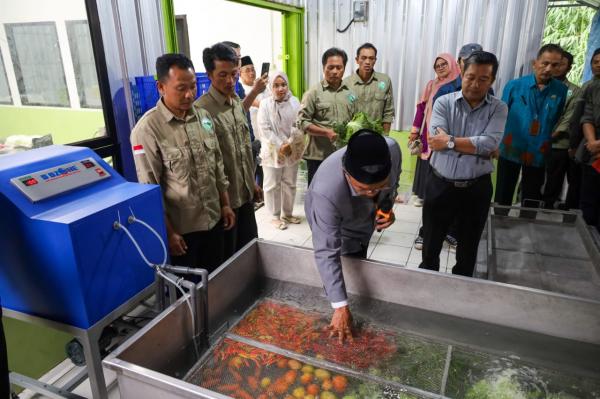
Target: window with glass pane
5, 97
37, 61
83, 63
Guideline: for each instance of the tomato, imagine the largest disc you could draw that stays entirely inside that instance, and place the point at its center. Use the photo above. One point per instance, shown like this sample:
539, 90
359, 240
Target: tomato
340, 383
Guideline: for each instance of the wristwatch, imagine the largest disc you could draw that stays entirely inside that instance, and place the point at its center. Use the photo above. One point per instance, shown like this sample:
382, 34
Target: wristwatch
450, 143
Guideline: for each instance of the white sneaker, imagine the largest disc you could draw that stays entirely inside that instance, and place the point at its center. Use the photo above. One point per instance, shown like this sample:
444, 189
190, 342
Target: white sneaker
418, 202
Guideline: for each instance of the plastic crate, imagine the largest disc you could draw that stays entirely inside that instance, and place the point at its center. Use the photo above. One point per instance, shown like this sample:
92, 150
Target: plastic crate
147, 92
202, 83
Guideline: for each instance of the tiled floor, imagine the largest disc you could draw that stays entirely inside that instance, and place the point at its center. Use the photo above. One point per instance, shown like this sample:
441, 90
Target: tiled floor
393, 245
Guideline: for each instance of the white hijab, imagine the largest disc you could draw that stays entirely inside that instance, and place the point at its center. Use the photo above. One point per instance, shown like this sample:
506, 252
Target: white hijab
282, 114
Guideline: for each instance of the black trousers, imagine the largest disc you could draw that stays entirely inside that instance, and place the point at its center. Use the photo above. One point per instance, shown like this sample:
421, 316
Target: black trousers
312, 165
258, 171
590, 196
532, 181
451, 230
445, 203
206, 249
574, 190
244, 231
362, 254
556, 170
4, 382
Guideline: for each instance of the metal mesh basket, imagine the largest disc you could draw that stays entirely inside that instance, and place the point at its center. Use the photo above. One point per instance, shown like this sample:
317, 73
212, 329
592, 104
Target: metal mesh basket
243, 371
375, 352
474, 375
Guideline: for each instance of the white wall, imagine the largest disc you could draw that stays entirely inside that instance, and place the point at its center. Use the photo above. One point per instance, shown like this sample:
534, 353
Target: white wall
410, 33
258, 31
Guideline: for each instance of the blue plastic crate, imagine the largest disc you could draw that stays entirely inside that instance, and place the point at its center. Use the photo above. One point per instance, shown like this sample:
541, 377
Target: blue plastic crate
202, 76
147, 91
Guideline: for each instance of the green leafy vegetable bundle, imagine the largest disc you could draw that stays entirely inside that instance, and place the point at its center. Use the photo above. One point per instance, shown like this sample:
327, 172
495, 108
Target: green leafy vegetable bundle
359, 121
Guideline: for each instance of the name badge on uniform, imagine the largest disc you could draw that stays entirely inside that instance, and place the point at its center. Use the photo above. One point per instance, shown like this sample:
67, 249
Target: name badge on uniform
207, 124
381, 85
534, 128
351, 97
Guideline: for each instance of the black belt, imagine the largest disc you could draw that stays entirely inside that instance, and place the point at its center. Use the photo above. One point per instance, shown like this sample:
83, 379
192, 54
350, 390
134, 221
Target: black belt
458, 183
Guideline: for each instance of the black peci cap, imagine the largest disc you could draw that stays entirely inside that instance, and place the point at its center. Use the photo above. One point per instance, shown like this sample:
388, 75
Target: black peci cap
367, 157
246, 60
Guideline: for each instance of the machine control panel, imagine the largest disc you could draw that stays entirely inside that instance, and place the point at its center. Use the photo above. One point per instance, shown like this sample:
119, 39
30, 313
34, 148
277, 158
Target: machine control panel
47, 183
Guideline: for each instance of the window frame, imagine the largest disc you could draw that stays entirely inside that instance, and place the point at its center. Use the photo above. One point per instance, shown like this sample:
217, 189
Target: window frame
5, 77
79, 84
16, 62
106, 146
183, 39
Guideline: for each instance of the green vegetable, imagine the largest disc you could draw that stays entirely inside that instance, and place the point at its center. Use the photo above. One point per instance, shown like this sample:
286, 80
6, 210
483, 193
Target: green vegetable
359, 121
500, 387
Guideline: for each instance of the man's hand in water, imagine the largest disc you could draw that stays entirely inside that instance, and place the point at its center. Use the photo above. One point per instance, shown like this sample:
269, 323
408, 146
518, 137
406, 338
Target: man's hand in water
341, 324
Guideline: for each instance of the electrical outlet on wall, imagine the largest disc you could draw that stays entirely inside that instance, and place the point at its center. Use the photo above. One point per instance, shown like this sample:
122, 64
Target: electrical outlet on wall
361, 10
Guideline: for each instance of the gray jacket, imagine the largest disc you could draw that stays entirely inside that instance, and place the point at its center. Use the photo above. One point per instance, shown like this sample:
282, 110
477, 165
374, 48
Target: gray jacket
341, 221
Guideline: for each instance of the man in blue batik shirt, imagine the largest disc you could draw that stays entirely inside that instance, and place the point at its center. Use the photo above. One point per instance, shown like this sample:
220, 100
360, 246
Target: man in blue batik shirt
535, 102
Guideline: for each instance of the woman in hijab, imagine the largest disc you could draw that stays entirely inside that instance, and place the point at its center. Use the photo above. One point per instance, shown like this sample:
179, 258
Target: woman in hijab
446, 70
282, 146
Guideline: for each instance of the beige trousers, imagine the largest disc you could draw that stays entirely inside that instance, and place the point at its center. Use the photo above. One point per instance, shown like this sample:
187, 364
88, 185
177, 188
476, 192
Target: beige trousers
279, 187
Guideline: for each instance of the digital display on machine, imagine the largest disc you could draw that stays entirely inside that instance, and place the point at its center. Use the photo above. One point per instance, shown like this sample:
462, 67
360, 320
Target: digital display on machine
88, 164
47, 183
29, 181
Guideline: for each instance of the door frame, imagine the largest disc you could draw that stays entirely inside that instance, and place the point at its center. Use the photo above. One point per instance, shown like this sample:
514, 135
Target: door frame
292, 40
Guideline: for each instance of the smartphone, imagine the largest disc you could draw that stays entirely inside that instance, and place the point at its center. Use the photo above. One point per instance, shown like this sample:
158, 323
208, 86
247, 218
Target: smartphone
265, 68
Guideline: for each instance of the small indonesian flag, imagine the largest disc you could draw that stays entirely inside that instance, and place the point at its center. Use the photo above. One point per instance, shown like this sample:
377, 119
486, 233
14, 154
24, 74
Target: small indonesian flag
596, 165
138, 149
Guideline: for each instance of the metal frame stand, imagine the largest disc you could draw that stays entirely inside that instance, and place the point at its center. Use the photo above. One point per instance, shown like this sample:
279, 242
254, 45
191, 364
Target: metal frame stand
89, 340
198, 297
488, 269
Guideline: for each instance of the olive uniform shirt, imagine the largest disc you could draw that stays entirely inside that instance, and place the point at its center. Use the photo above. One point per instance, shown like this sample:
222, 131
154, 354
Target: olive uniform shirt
375, 96
183, 157
231, 128
324, 106
562, 126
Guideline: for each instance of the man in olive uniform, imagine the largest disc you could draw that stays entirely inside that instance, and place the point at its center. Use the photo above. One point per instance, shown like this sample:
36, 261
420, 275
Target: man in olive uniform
232, 131
560, 164
175, 147
373, 89
328, 102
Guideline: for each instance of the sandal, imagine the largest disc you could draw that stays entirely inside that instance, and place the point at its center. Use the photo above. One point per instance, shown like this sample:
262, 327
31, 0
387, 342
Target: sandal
291, 219
279, 224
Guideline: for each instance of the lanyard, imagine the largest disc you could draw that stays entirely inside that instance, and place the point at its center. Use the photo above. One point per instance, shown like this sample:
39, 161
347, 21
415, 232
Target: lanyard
536, 100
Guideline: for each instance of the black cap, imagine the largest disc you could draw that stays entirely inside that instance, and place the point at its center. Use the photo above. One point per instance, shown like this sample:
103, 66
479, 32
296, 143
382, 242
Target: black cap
367, 157
246, 60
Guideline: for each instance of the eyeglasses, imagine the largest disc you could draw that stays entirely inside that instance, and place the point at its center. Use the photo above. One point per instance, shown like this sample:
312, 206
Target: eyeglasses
441, 65
362, 191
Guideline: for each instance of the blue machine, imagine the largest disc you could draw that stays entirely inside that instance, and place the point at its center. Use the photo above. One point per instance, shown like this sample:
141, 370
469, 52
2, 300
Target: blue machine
60, 256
